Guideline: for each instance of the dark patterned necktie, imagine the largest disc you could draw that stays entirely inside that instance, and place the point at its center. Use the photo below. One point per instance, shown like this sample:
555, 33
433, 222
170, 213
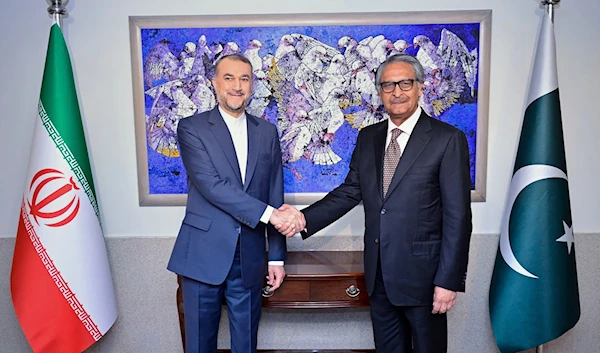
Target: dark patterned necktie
390, 160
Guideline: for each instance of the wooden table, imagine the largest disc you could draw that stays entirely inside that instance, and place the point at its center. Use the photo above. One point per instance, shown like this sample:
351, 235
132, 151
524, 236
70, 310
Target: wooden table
314, 279
321, 279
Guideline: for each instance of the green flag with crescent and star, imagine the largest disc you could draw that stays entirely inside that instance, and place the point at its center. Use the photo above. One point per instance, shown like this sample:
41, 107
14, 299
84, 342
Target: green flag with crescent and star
533, 294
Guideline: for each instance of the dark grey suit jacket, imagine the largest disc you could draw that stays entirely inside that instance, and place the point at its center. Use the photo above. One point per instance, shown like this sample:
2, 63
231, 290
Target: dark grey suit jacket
421, 230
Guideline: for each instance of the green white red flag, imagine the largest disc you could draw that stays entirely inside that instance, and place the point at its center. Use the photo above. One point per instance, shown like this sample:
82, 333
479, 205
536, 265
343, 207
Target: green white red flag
61, 284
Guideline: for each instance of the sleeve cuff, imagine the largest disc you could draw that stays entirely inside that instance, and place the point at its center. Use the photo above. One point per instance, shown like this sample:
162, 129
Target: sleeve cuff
276, 263
267, 214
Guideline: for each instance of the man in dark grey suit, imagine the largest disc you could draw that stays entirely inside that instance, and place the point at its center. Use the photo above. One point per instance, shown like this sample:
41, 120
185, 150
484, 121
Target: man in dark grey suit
412, 174
235, 183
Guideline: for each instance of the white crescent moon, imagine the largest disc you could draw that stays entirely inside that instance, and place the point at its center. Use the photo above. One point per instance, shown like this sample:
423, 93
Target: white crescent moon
522, 178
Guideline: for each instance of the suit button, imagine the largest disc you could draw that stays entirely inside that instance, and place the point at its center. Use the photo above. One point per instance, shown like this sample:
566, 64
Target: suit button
376, 240
383, 211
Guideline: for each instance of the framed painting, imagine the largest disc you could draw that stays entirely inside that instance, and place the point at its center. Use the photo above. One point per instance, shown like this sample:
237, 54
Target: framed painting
313, 79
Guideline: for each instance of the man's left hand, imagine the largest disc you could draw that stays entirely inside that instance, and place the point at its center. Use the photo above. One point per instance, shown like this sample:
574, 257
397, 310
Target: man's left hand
276, 274
443, 300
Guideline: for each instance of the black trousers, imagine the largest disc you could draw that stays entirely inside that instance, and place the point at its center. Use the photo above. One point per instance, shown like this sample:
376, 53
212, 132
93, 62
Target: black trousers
405, 329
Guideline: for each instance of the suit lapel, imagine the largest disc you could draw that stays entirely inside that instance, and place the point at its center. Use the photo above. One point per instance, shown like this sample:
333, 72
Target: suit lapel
379, 144
221, 132
253, 148
416, 144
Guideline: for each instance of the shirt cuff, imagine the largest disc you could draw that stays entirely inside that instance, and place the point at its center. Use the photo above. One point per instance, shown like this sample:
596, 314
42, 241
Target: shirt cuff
267, 214
276, 263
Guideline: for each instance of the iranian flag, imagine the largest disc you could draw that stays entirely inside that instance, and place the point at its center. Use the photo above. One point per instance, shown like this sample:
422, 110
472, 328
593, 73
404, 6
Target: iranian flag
533, 295
60, 281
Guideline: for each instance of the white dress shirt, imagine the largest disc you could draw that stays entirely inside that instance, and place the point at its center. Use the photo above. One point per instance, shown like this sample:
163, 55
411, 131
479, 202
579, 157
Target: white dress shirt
406, 127
238, 129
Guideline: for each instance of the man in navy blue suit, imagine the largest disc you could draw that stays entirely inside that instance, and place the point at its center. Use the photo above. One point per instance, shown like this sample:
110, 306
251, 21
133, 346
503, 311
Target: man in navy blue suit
412, 174
235, 187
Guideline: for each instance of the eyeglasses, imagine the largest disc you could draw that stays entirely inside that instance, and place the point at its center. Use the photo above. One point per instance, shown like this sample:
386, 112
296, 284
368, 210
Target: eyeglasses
390, 86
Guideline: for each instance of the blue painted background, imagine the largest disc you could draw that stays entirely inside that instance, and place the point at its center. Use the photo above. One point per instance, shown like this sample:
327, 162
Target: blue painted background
167, 175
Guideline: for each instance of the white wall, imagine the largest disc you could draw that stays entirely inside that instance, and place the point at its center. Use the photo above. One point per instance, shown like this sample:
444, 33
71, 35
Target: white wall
98, 37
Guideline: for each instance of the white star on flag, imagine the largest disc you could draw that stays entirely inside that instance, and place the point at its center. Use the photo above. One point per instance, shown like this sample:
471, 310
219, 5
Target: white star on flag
567, 237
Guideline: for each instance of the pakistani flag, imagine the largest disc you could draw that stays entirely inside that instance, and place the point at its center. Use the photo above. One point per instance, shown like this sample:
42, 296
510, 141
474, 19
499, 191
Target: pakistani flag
533, 295
60, 281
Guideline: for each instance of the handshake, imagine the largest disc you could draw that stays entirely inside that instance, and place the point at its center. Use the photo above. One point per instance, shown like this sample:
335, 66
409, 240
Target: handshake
288, 220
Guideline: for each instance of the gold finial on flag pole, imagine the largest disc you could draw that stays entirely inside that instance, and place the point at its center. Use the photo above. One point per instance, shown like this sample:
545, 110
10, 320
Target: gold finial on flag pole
58, 10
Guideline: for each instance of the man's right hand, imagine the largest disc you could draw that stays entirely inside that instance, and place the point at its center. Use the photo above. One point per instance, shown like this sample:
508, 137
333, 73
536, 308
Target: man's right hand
288, 220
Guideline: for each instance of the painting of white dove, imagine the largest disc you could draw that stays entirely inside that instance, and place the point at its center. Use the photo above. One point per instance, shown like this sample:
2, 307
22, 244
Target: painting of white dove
316, 84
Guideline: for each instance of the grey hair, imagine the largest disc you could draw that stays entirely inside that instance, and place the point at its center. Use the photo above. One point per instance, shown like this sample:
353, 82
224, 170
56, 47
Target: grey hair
401, 58
234, 57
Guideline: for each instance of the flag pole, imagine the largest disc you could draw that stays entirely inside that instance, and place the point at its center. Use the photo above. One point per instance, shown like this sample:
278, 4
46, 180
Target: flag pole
58, 10
550, 9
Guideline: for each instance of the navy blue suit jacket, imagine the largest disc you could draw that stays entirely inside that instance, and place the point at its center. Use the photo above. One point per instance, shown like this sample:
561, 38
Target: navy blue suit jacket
422, 228
219, 208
